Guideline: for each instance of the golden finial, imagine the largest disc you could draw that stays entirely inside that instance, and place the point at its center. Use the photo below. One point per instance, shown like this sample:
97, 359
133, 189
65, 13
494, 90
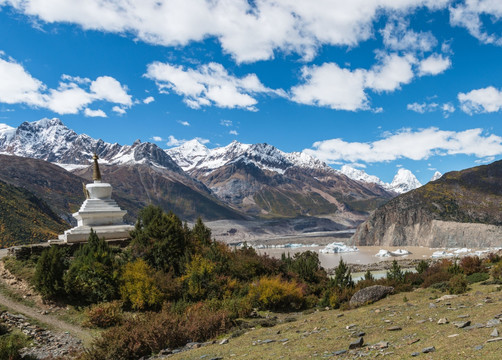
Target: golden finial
96, 175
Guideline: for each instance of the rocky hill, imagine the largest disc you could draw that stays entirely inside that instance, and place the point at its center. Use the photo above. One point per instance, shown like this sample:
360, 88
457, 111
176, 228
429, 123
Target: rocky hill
461, 208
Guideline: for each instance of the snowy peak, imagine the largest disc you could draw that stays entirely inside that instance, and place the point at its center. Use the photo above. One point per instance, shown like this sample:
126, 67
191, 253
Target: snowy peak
189, 154
51, 140
437, 175
360, 175
192, 155
404, 181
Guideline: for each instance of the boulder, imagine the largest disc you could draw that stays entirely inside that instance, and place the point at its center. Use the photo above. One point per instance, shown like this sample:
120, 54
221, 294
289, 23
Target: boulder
370, 294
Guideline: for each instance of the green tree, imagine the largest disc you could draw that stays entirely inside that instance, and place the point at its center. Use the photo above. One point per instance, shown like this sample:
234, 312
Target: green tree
92, 276
343, 277
51, 266
395, 273
161, 239
422, 266
201, 233
368, 276
307, 266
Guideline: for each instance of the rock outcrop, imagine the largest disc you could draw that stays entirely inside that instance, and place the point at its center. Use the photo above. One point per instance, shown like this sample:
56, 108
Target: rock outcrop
370, 294
462, 208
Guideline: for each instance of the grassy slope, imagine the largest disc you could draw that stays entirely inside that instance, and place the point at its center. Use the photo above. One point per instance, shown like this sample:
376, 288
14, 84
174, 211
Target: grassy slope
24, 218
322, 333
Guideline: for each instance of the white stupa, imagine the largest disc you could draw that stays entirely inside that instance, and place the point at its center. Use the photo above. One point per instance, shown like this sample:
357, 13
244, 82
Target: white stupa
99, 212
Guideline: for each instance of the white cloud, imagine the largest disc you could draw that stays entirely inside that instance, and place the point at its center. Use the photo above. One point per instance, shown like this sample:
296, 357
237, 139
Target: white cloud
470, 15
73, 94
94, 113
184, 123
415, 145
331, 86
157, 138
398, 37
393, 71
148, 100
172, 141
434, 65
233, 132
486, 100
119, 110
344, 89
248, 31
422, 108
207, 85
448, 109
226, 123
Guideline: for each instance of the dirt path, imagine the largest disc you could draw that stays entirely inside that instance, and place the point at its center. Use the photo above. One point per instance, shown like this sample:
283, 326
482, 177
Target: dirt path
52, 321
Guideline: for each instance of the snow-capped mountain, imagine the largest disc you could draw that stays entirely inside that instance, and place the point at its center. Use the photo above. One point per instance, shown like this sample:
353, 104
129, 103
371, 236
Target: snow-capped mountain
360, 175
51, 140
403, 181
193, 155
437, 175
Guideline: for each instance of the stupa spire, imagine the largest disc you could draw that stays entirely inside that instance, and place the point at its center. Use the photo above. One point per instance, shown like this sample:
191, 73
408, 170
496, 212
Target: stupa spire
96, 174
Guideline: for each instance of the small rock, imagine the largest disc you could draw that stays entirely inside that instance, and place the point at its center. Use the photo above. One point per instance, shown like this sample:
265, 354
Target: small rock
381, 345
413, 341
493, 322
415, 354
360, 334
350, 327
420, 321
267, 341
443, 321
478, 347
428, 349
495, 333
394, 328
370, 294
340, 352
432, 306
462, 324
494, 339
452, 335
224, 341
356, 344
463, 316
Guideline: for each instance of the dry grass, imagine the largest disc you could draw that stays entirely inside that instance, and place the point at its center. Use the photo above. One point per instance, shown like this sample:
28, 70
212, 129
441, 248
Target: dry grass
320, 334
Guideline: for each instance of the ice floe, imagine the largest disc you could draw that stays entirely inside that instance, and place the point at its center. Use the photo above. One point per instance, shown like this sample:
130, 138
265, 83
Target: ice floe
337, 247
387, 253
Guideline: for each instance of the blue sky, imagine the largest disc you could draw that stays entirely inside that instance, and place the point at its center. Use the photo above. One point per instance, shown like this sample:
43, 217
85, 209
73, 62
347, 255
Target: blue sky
379, 84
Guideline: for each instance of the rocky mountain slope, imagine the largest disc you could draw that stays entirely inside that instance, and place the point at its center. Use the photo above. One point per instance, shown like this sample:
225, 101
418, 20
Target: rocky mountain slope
262, 180
461, 208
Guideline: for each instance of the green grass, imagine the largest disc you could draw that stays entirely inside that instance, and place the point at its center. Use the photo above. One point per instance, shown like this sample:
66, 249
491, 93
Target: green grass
15, 296
318, 335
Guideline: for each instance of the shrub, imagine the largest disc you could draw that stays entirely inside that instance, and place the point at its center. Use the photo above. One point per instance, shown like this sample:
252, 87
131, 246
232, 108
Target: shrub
138, 286
199, 276
471, 265
307, 266
477, 277
10, 346
273, 293
104, 315
48, 278
156, 331
496, 271
457, 284
368, 276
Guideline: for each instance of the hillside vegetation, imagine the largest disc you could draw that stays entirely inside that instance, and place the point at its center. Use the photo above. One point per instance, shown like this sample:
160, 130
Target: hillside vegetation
25, 218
